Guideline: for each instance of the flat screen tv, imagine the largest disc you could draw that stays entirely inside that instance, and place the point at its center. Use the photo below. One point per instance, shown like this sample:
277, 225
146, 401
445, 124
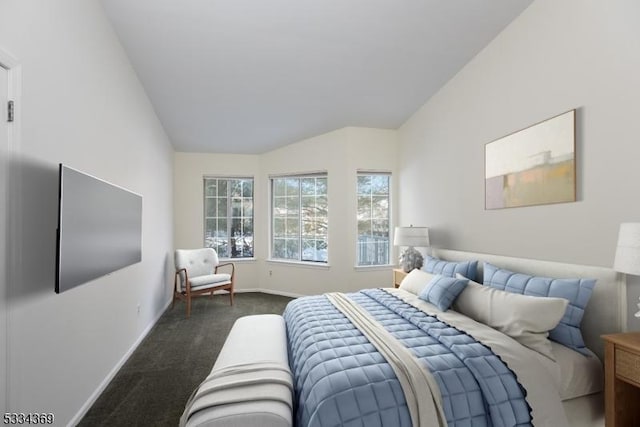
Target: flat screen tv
99, 228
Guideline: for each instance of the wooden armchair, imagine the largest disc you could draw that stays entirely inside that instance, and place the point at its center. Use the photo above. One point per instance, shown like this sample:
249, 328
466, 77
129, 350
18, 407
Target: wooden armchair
197, 274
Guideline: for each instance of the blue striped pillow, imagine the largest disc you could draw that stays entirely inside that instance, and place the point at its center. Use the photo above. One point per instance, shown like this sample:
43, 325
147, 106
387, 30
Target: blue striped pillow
449, 268
441, 291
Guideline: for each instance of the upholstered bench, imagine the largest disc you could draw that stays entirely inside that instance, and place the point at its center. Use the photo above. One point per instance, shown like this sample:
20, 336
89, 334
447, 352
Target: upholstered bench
250, 383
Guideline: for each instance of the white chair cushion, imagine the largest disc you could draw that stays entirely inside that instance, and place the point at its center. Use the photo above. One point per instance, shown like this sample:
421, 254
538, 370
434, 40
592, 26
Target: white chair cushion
210, 280
198, 262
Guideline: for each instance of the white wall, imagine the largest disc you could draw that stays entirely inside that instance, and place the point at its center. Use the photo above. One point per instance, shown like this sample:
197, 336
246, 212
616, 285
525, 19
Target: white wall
340, 153
190, 168
81, 105
556, 56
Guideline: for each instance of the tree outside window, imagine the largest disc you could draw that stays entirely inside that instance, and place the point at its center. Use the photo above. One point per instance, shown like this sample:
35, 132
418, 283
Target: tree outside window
300, 218
228, 216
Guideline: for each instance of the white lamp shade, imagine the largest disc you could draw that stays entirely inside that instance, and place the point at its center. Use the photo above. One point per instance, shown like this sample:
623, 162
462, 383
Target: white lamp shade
411, 236
628, 250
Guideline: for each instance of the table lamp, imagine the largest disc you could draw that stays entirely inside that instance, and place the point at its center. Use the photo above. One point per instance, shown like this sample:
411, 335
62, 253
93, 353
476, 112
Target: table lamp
411, 237
628, 251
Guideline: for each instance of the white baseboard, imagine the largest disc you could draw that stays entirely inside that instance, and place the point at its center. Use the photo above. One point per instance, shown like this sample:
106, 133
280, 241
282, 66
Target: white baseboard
103, 385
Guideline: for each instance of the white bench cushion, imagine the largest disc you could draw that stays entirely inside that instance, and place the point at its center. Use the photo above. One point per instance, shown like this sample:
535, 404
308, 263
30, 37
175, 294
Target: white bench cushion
255, 338
254, 342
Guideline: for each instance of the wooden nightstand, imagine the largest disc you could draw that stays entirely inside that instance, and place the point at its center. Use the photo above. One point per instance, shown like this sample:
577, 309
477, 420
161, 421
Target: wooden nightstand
398, 275
622, 379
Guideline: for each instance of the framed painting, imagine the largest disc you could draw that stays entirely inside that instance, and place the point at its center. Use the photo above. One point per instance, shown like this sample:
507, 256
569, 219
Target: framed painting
534, 166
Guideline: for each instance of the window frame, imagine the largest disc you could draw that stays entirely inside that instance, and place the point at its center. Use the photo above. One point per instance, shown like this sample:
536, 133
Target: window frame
389, 250
299, 177
229, 217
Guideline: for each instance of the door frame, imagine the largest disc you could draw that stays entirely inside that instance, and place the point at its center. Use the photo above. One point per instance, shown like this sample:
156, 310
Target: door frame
9, 204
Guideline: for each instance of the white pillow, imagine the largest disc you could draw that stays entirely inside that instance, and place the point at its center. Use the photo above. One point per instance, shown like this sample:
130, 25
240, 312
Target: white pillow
527, 319
415, 281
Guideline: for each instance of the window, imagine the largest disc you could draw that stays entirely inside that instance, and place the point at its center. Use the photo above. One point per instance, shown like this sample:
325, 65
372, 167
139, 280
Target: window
228, 216
373, 196
299, 213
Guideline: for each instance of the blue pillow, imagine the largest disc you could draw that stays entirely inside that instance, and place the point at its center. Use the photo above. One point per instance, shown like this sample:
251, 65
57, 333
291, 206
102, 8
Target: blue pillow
441, 291
577, 291
449, 268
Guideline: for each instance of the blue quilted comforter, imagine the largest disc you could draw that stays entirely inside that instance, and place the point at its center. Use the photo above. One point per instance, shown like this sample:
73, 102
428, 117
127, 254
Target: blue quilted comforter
342, 380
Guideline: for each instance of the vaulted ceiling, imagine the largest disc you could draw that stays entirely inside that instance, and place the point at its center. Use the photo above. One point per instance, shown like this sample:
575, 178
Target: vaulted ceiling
248, 76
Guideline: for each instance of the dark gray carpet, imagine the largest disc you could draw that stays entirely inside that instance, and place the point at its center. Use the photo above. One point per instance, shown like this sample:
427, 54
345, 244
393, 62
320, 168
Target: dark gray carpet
153, 386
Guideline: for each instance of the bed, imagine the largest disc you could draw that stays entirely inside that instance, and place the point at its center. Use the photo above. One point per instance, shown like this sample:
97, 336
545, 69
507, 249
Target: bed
359, 359
340, 378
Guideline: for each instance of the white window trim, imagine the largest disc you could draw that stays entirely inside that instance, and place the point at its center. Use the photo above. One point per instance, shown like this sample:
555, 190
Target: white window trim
391, 201
302, 264
299, 175
380, 267
253, 259
204, 225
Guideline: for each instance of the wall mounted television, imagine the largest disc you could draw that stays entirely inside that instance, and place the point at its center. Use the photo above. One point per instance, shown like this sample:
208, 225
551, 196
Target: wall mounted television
99, 228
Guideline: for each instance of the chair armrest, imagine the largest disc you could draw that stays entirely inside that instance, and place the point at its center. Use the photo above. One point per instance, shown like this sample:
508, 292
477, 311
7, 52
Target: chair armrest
224, 264
186, 280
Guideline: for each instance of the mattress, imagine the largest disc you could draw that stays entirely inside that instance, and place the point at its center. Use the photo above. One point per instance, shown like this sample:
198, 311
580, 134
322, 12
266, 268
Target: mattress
579, 381
579, 375
585, 411
485, 377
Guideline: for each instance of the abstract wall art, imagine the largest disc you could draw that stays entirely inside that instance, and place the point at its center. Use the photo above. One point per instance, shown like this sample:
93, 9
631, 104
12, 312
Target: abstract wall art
534, 166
